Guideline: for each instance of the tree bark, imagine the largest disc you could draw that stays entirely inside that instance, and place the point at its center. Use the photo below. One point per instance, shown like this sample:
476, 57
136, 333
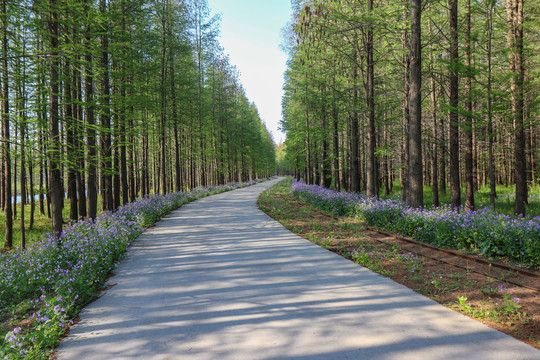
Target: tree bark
91, 180
416, 194
55, 178
124, 183
406, 114
355, 168
326, 161
163, 99
335, 138
71, 145
515, 43
371, 164
6, 186
105, 117
308, 178
455, 185
469, 173
79, 138
32, 195
177, 125
23, 176
435, 152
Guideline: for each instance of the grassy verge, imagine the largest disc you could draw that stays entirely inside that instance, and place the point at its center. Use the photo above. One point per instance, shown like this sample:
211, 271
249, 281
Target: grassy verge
513, 310
42, 225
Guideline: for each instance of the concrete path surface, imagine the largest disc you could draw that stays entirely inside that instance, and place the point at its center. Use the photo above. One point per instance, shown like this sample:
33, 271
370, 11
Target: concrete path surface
218, 279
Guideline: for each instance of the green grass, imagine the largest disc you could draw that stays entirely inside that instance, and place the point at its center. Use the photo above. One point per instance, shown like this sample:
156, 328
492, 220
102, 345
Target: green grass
42, 224
504, 203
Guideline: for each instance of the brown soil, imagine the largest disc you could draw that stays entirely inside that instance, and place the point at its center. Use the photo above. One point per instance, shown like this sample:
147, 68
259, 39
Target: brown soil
426, 271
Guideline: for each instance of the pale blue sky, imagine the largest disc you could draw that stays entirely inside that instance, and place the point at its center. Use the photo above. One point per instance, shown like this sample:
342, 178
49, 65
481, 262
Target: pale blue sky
251, 35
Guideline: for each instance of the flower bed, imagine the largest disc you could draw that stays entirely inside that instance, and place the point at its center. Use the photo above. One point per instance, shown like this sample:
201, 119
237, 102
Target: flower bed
45, 287
484, 230
334, 202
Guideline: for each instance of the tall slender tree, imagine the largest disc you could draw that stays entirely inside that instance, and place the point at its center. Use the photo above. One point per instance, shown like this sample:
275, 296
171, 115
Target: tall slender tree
55, 176
515, 44
91, 181
416, 189
455, 183
371, 165
105, 113
6, 155
468, 120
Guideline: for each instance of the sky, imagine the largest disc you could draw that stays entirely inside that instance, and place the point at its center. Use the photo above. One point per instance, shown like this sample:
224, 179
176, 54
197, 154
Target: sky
251, 36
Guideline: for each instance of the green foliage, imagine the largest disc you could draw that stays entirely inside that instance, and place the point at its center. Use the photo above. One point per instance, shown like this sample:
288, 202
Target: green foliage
284, 165
506, 309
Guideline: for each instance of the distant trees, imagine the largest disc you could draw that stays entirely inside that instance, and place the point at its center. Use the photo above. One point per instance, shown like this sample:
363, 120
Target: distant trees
116, 99
425, 93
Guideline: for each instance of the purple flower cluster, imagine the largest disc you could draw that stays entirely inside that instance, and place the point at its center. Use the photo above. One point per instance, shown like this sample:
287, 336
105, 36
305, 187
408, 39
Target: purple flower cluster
16, 341
483, 230
335, 202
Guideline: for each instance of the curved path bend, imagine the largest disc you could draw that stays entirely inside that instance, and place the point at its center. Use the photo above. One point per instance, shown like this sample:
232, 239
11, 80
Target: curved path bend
218, 279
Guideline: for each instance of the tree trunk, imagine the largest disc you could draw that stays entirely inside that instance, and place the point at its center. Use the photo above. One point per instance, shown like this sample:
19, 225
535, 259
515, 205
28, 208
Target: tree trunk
355, 169
105, 118
6, 186
455, 185
199, 25
176, 126
515, 44
117, 182
435, 153
124, 183
71, 145
79, 138
406, 115
308, 178
326, 164
469, 173
55, 179
32, 195
91, 181
163, 100
416, 194
23, 175
41, 168
335, 137
371, 164
132, 159
14, 172
443, 146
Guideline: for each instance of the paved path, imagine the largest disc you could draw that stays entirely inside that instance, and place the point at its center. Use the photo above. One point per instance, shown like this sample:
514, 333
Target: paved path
218, 279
